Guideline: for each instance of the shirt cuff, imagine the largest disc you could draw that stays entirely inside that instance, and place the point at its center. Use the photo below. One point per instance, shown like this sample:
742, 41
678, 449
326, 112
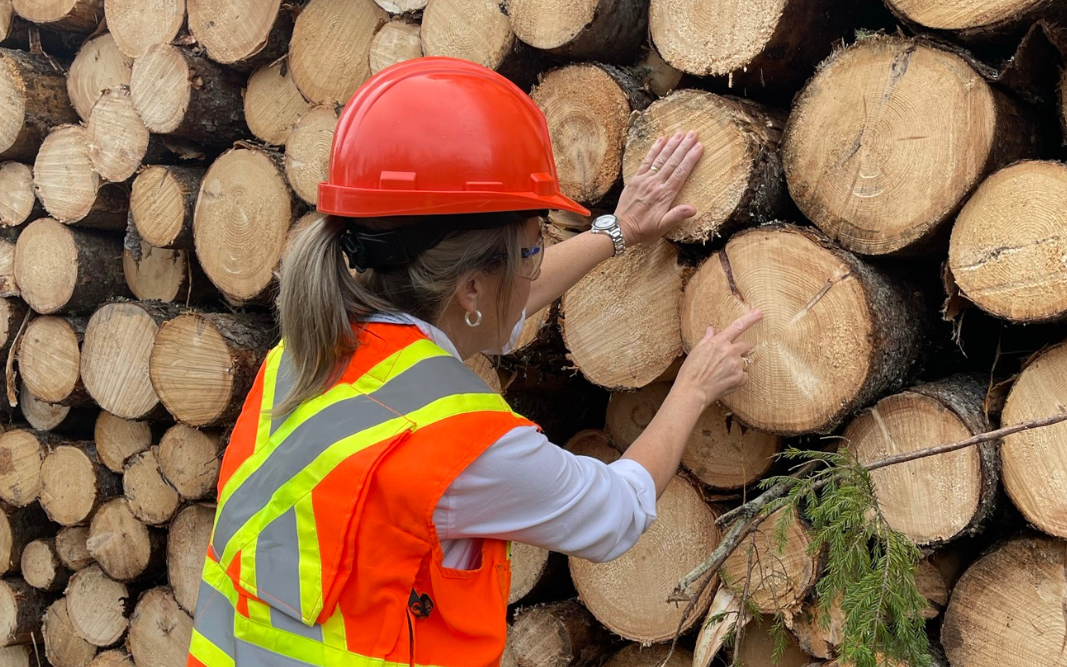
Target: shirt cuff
643, 485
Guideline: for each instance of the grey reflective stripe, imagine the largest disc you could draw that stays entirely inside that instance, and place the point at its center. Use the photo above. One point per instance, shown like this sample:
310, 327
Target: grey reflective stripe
278, 575
254, 656
425, 382
283, 382
214, 618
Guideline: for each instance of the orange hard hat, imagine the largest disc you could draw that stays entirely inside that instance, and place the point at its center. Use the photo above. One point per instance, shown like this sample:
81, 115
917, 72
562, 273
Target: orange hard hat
435, 136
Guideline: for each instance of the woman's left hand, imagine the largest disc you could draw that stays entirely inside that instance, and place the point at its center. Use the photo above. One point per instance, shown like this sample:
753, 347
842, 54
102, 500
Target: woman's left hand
645, 211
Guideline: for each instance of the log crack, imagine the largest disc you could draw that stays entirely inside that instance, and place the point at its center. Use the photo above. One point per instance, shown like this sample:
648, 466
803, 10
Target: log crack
728, 270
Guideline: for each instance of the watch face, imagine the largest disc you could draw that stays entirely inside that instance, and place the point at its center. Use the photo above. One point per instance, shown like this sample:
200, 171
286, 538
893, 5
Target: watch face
603, 223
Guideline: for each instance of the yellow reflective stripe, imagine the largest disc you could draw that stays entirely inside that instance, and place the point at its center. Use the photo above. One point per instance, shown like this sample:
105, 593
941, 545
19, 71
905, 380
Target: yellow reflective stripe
270, 379
201, 648
310, 559
248, 568
303, 649
303, 481
259, 611
333, 630
216, 577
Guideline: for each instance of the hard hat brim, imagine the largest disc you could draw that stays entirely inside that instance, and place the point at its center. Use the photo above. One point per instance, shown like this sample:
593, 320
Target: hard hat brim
365, 203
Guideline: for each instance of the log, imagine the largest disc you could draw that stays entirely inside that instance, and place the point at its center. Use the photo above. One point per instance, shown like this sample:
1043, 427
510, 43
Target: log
21, 454
940, 498
1005, 254
629, 594
118, 139
593, 443
151, 499
71, 549
307, 152
755, 645
57, 418
187, 541
21, 609
41, 567
775, 577
162, 201
636, 655
397, 41
933, 586
115, 356
815, 634
528, 565
324, 73
798, 381
1033, 462
61, 268
1007, 609
124, 547
19, 656
890, 137
203, 364
189, 460
273, 103
68, 186
18, 202
118, 439
66, 15
163, 275
112, 658
98, 607
402, 6
739, 180
559, 634
160, 631
49, 359
975, 21
12, 312
9, 286
186, 95
620, 322
241, 222
74, 483
767, 45
20, 526
610, 31
33, 100
99, 66
588, 108
62, 646
241, 34
136, 25
656, 74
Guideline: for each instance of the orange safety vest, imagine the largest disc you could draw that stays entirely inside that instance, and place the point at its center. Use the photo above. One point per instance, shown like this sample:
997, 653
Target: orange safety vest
324, 550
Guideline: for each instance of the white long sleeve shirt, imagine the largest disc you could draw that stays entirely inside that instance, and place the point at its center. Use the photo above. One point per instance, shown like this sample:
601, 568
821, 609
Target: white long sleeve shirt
525, 489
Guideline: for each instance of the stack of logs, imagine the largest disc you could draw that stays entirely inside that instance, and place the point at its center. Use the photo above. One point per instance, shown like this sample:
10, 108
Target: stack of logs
851, 180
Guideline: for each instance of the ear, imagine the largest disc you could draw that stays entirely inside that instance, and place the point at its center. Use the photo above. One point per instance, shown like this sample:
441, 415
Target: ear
471, 293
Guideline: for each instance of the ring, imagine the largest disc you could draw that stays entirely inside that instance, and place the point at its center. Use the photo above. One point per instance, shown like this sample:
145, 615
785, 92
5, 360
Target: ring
748, 361
653, 168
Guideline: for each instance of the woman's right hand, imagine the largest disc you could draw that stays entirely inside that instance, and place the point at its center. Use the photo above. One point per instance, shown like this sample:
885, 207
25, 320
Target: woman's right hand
716, 365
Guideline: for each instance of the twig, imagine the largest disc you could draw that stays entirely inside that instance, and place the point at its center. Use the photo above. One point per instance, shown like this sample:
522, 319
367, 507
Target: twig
738, 532
749, 509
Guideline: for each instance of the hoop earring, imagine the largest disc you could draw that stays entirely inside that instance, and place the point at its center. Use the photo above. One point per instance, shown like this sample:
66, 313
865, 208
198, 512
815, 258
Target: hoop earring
477, 318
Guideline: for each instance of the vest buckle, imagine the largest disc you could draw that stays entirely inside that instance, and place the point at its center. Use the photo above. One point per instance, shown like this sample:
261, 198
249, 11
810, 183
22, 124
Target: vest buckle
420, 605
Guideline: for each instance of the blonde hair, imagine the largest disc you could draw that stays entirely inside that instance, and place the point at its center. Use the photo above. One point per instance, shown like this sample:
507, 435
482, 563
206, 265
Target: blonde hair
320, 300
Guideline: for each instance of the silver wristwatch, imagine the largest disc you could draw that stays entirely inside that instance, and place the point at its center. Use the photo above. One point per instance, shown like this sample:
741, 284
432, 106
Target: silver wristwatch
609, 225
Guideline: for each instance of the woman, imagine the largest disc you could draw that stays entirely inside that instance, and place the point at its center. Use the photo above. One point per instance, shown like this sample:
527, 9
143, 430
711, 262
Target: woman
372, 481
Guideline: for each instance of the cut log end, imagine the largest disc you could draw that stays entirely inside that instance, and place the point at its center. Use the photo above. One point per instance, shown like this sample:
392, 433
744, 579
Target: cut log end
118, 138
72, 15
273, 104
62, 646
322, 72
775, 579
714, 38
136, 25
21, 609
190, 459
969, 17
187, 544
99, 66
162, 88
74, 483
97, 607
161, 275
151, 498
71, 547
69, 187
162, 201
21, 454
17, 198
757, 646
603, 30
636, 655
41, 567
528, 565
50, 358
122, 545
33, 100
397, 41
113, 658
160, 631
560, 634
241, 34
476, 31
118, 439
593, 443
307, 152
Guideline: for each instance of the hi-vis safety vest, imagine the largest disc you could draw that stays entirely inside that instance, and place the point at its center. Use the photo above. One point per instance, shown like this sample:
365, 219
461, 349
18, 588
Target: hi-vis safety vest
324, 550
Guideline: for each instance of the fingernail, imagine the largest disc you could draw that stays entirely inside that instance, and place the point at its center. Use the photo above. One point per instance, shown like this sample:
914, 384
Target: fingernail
691, 134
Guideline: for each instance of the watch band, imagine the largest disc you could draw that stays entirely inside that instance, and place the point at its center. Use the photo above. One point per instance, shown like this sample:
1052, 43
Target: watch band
609, 226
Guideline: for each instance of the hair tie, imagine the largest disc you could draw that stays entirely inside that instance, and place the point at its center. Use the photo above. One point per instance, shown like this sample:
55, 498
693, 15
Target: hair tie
354, 249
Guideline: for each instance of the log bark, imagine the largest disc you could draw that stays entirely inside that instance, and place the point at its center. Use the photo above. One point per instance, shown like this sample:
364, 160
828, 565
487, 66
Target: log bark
68, 186
186, 95
113, 658
307, 152
118, 439
71, 548
940, 498
81, 16
636, 655
12, 312
162, 202
620, 322
41, 567
743, 184
98, 607
56, 418
629, 594
20, 526
610, 31
559, 634
115, 356
1034, 461
272, 102
397, 41
62, 646
189, 460
867, 164
323, 73
18, 201
775, 579
241, 222
21, 609
159, 630
588, 108
241, 34
125, 548
136, 25
49, 357
74, 483
1006, 252
61, 268
655, 74
21, 453
974, 21
798, 381
151, 498
99, 66
203, 364
33, 100
118, 139
1008, 607
187, 541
